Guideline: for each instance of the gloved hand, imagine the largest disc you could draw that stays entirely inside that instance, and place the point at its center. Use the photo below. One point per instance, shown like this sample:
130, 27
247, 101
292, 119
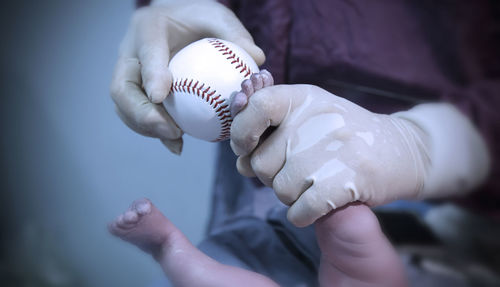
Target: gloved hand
142, 80
326, 151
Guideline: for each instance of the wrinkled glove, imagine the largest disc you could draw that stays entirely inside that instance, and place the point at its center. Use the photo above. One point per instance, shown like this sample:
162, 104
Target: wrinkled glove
142, 80
326, 151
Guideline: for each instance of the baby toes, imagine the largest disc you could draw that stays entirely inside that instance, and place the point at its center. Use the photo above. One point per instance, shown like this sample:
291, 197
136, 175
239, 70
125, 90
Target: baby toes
257, 81
247, 87
267, 78
118, 227
130, 217
238, 102
141, 206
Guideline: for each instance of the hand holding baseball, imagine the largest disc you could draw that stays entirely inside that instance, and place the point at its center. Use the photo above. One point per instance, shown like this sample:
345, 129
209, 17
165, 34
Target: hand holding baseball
205, 75
142, 81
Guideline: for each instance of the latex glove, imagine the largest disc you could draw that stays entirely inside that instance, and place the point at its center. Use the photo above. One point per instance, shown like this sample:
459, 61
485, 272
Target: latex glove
142, 80
327, 152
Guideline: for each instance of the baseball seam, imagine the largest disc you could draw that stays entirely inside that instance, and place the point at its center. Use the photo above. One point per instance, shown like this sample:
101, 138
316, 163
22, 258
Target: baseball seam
210, 96
231, 56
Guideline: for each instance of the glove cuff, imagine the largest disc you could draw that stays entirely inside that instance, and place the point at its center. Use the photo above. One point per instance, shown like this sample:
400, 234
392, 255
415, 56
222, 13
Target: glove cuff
459, 157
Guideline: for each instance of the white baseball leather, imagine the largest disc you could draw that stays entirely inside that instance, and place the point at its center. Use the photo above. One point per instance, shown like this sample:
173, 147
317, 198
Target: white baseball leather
205, 74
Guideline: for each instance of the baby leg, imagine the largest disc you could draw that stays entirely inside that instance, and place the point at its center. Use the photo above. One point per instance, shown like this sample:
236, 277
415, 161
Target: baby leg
355, 252
146, 227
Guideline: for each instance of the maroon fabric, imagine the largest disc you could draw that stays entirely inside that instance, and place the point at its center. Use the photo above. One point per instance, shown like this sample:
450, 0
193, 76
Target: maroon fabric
389, 55
140, 3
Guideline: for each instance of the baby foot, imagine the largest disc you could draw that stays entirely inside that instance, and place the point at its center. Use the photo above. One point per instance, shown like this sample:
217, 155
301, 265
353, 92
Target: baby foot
256, 82
144, 226
354, 250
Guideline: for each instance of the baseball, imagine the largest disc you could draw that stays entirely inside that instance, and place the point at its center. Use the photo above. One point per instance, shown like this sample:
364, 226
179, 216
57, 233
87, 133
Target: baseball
205, 74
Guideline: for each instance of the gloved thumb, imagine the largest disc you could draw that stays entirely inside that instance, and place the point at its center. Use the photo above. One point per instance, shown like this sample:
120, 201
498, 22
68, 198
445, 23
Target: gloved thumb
175, 146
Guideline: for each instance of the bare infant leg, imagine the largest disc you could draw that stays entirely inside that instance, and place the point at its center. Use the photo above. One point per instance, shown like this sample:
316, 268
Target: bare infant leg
146, 227
355, 252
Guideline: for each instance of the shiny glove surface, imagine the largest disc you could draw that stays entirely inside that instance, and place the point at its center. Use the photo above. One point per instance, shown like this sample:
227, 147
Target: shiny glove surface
142, 80
326, 152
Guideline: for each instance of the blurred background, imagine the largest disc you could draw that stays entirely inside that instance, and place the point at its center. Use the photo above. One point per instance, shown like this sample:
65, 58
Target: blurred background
69, 165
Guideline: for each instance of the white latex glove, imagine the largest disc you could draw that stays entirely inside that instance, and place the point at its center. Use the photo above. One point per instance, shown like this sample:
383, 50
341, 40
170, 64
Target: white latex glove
327, 152
142, 80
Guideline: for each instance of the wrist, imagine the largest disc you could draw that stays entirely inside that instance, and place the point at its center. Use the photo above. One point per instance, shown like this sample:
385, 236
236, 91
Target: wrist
458, 156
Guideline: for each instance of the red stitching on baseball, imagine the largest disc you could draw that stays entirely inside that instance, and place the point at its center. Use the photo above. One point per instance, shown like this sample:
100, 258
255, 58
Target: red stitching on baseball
220, 108
225, 117
215, 99
206, 94
226, 51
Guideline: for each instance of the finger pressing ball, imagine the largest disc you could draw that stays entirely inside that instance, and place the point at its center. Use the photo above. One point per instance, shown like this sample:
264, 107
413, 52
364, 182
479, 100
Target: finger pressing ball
205, 74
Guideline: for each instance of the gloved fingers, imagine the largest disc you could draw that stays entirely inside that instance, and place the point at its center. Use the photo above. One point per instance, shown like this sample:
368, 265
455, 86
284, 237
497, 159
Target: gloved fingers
288, 184
309, 207
134, 108
228, 27
267, 107
175, 145
244, 167
319, 199
153, 53
269, 157
154, 127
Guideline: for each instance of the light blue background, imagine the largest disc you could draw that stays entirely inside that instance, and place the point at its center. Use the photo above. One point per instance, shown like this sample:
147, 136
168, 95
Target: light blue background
69, 165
